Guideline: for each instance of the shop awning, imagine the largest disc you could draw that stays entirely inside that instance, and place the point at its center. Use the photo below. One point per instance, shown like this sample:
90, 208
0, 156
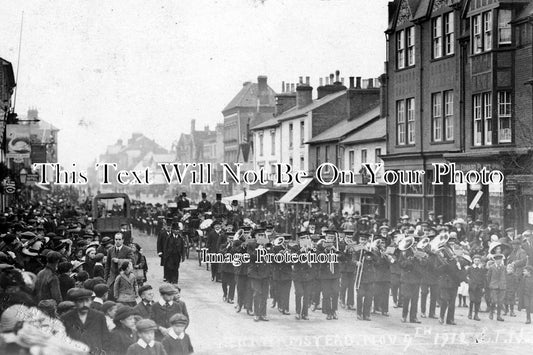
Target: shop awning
249, 195
295, 191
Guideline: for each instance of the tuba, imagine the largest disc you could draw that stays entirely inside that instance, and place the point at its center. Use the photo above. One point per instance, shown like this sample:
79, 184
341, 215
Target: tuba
439, 242
239, 235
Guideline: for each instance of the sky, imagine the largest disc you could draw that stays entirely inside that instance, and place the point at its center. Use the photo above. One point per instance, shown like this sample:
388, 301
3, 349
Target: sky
101, 70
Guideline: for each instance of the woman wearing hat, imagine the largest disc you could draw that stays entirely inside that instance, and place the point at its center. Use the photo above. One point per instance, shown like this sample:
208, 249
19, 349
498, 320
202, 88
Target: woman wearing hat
124, 333
125, 287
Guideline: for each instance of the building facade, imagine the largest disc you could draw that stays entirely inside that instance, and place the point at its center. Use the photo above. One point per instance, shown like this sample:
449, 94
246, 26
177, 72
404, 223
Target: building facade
454, 95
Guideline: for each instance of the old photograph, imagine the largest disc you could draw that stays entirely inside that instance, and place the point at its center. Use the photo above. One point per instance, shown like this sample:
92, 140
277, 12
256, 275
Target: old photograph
266, 177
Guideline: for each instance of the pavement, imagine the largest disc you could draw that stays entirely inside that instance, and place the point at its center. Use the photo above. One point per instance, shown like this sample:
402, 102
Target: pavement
215, 327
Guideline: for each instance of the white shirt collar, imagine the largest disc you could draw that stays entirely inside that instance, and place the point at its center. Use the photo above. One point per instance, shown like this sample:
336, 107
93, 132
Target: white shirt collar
118, 248
173, 334
98, 300
143, 344
162, 302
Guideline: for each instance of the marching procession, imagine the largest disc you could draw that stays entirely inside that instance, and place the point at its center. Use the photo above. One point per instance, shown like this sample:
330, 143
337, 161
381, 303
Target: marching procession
62, 279
420, 262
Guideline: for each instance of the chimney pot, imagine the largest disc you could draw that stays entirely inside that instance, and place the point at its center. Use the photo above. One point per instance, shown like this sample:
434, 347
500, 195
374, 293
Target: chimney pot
337, 74
282, 86
307, 80
342, 81
352, 82
292, 87
331, 78
193, 123
327, 80
301, 80
358, 82
320, 82
287, 87
370, 83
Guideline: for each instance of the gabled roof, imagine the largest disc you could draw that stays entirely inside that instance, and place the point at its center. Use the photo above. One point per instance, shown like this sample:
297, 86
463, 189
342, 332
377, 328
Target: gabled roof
345, 127
248, 95
273, 122
424, 8
298, 112
525, 13
376, 130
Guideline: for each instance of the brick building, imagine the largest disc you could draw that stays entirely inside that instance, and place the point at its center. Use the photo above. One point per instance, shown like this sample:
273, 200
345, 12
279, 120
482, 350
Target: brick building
454, 94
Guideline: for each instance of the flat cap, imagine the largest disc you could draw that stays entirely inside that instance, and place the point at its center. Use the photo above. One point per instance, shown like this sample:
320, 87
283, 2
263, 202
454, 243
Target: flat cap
144, 288
107, 305
167, 289
179, 319
144, 325
77, 293
100, 290
123, 312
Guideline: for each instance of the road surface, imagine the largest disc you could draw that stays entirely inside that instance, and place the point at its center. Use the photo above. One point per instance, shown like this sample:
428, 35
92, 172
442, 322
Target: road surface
215, 327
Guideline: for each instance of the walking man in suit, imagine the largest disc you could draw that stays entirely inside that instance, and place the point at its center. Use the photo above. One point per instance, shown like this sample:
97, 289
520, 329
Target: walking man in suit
116, 255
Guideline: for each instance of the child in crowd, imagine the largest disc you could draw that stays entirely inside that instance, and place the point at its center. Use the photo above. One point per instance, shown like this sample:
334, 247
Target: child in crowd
475, 276
510, 291
526, 291
177, 342
146, 345
496, 278
98, 270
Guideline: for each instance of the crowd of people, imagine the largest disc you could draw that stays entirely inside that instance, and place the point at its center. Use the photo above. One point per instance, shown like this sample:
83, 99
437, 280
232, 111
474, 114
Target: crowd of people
67, 289
424, 265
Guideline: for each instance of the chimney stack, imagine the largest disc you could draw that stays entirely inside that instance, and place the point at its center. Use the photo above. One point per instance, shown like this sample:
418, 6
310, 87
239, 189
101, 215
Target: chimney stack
304, 95
193, 123
362, 98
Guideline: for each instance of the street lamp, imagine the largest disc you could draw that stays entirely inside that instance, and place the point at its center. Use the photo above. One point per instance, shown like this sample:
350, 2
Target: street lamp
23, 176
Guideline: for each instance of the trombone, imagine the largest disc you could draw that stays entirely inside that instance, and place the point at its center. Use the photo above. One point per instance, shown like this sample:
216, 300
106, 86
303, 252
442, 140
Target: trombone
361, 262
